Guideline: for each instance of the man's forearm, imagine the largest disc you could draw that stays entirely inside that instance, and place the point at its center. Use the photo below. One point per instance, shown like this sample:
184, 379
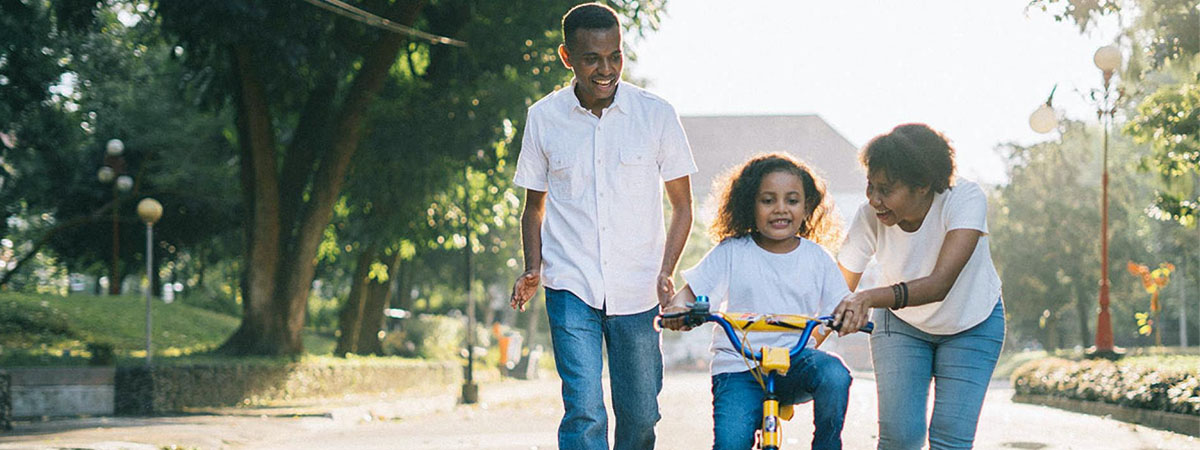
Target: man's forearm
677, 236
531, 239
679, 193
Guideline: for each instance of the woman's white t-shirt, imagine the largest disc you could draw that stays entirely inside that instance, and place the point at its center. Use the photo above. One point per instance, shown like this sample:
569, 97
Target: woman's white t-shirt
739, 276
904, 256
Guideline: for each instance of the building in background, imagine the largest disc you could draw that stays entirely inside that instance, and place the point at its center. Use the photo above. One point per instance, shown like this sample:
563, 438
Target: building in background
720, 143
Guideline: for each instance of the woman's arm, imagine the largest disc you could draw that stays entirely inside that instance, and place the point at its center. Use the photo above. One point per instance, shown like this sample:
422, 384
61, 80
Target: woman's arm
852, 278
956, 250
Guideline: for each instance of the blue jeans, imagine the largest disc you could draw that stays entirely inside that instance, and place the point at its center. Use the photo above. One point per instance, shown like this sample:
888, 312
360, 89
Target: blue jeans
635, 368
959, 364
737, 400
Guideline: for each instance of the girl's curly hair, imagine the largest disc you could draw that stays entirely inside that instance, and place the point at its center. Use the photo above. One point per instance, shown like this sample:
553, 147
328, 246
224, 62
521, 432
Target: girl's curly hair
739, 187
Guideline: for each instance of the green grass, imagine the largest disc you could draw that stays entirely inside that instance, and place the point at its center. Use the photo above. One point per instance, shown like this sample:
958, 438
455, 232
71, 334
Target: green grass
54, 330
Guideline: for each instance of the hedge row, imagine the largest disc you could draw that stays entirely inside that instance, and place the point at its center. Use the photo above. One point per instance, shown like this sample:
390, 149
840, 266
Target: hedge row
1171, 389
165, 389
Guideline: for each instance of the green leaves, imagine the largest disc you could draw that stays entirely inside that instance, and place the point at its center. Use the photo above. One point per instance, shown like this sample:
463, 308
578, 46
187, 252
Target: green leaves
1169, 121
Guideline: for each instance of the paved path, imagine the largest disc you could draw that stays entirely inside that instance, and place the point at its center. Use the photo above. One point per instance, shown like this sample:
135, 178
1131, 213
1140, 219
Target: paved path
522, 415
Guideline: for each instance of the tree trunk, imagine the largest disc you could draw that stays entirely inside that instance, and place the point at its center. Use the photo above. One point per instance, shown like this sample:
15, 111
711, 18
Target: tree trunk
404, 297
378, 299
1083, 309
362, 318
350, 320
259, 332
372, 321
279, 277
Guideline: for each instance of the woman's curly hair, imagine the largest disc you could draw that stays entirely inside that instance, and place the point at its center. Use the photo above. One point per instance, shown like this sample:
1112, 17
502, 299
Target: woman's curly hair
913, 154
739, 188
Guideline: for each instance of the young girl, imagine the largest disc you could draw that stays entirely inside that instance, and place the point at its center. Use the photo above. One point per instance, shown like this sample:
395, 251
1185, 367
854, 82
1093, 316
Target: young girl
939, 314
772, 210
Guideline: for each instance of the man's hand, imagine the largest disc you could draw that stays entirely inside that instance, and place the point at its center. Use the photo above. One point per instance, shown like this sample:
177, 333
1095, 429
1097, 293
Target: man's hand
665, 290
676, 323
524, 287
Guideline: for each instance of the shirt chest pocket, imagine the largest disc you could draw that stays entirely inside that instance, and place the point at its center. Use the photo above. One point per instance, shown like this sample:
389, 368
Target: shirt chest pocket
639, 167
564, 182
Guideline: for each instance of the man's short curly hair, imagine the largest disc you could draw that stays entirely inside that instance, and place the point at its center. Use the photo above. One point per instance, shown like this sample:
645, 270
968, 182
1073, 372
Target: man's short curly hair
913, 154
588, 16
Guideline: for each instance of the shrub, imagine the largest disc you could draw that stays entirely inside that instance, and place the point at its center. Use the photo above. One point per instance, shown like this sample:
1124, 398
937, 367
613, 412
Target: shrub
258, 382
1133, 385
427, 336
102, 354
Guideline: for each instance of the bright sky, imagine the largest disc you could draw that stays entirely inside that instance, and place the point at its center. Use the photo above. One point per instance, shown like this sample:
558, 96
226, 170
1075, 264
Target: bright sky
972, 69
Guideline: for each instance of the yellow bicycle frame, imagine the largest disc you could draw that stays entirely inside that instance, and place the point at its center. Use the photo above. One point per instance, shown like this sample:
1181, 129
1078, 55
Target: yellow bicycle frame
775, 360
771, 361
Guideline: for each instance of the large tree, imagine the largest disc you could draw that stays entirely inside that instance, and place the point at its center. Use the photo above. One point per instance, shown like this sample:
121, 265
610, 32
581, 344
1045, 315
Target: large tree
302, 82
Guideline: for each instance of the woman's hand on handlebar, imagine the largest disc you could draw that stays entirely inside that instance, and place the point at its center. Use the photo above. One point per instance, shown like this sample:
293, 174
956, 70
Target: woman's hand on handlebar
852, 313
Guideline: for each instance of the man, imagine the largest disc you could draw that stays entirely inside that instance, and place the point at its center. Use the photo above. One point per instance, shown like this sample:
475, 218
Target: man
592, 160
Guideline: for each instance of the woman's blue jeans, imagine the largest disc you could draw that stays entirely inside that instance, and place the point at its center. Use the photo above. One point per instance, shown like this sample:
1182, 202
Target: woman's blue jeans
635, 367
738, 398
960, 365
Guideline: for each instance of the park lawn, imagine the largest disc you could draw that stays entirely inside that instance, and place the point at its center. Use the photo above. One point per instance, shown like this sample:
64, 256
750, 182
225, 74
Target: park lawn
56, 330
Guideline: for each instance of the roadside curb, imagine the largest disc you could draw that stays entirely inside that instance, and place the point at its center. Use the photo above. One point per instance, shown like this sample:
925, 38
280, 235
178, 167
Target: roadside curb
1175, 422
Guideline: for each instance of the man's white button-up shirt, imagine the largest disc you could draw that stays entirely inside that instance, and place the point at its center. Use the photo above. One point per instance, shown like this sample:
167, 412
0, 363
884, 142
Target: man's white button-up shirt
602, 233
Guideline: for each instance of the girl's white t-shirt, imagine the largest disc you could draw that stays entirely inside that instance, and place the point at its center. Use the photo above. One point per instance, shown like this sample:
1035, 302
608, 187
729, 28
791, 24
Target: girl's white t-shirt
739, 276
904, 256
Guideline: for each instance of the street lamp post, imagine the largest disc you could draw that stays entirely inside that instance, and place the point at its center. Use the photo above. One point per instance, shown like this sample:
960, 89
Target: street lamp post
113, 172
470, 390
1043, 120
1108, 60
149, 210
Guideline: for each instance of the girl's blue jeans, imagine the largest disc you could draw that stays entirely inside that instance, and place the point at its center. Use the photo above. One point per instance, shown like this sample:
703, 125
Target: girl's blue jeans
960, 365
580, 334
738, 398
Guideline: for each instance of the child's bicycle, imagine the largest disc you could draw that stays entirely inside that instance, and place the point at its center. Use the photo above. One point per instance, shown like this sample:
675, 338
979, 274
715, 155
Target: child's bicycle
771, 361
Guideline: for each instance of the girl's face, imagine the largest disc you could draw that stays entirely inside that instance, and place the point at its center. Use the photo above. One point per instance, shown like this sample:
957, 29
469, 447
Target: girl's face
896, 203
779, 211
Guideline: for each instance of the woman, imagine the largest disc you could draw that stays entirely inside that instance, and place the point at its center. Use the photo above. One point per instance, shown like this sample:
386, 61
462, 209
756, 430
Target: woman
938, 313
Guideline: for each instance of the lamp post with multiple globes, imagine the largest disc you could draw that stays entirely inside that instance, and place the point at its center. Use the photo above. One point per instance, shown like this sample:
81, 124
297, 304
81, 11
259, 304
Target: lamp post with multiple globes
1043, 120
113, 172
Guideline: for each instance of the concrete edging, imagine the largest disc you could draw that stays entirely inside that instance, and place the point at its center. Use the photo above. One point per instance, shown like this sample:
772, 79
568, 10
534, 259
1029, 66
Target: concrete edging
1170, 421
60, 391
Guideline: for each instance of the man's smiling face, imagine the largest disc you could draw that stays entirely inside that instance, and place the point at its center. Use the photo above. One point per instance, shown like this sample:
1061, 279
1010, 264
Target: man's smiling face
595, 57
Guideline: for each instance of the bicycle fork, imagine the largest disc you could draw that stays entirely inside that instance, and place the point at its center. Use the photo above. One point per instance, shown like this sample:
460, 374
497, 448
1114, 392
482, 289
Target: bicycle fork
775, 361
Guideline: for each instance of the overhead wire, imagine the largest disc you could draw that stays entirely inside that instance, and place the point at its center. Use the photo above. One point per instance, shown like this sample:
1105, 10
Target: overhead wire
349, 11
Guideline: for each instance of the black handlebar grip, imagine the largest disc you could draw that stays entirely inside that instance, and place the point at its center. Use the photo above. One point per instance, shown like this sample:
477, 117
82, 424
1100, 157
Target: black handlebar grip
868, 328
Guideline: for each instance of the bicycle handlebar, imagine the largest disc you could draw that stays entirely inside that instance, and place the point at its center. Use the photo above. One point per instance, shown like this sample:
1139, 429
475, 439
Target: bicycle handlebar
699, 314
